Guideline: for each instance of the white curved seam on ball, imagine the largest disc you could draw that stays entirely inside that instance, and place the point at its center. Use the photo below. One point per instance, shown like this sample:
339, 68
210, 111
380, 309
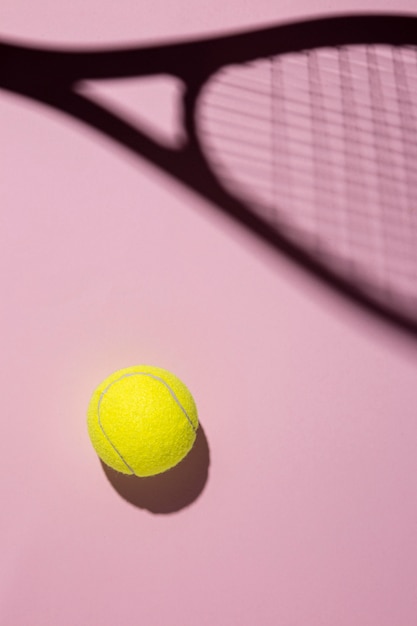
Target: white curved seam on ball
158, 378
161, 380
171, 391
104, 432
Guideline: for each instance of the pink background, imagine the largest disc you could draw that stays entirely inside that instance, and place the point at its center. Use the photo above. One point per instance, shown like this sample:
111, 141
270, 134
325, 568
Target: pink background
309, 512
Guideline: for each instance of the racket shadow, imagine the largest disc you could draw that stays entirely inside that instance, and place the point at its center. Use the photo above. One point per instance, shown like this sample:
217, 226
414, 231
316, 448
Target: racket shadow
171, 491
382, 283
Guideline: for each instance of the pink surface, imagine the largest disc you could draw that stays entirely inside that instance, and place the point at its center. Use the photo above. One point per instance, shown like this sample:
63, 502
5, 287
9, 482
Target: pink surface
309, 513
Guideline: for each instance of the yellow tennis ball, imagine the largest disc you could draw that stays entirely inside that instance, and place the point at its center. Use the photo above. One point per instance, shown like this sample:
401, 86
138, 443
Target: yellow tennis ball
142, 420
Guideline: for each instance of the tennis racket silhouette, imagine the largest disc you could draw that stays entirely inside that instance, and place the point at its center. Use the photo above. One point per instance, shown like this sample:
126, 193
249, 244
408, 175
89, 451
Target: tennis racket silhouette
306, 133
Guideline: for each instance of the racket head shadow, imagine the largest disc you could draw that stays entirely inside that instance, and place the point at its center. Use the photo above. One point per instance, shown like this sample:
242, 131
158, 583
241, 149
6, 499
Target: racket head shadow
319, 146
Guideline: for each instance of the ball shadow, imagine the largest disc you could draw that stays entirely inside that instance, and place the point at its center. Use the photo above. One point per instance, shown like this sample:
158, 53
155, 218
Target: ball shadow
171, 491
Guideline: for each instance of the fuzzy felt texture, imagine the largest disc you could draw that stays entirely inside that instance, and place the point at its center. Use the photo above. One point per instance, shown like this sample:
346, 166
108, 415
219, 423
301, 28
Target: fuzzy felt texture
142, 420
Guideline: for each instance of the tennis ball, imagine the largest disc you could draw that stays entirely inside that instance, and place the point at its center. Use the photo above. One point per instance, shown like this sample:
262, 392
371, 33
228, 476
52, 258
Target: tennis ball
142, 420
